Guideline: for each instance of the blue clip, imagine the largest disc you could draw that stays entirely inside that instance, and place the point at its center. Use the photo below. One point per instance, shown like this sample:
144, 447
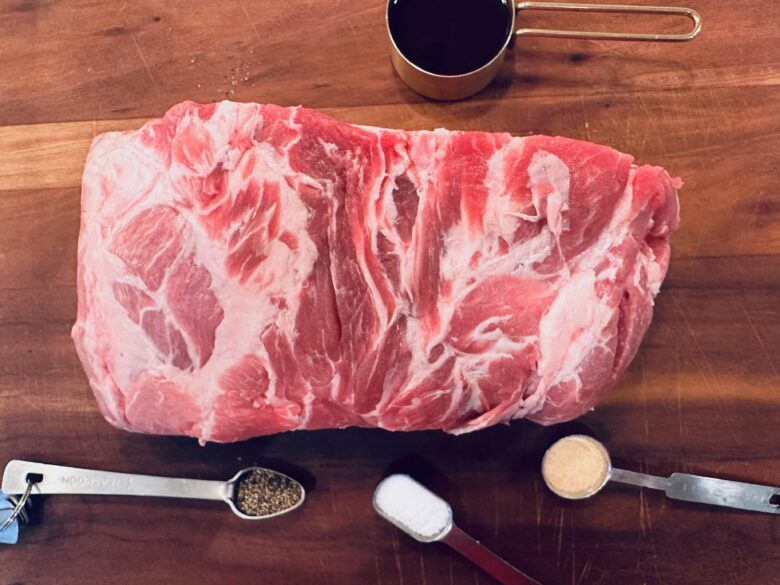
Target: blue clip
11, 533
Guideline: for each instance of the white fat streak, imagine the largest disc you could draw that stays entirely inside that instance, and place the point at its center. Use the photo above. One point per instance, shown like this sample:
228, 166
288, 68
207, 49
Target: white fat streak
418, 161
394, 168
502, 212
112, 168
390, 210
304, 419
654, 272
577, 315
495, 178
647, 266
331, 150
548, 170
374, 192
501, 345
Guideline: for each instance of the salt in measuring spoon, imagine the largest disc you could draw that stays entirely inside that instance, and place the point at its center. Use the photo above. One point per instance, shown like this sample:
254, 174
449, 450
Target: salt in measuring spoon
46, 479
426, 517
578, 466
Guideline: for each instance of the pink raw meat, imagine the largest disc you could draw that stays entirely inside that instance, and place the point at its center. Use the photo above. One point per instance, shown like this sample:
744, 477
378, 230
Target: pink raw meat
249, 269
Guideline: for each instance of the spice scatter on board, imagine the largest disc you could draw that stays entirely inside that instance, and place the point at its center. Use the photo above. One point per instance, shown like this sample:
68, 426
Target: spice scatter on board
263, 492
239, 76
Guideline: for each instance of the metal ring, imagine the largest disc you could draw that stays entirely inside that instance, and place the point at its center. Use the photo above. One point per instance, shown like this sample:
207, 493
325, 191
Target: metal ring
24, 517
19, 511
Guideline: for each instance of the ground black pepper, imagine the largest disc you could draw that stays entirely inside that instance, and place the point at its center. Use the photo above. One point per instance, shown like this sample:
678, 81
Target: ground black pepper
263, 492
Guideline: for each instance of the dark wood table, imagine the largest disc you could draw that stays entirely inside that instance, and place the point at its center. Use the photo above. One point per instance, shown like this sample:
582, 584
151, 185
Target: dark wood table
702, 396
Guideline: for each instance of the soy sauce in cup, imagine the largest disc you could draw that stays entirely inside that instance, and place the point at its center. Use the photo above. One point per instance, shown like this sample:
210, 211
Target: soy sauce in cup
451, 49
449, 37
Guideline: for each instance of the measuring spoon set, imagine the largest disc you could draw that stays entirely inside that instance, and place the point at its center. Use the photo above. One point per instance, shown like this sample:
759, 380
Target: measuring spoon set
575, 467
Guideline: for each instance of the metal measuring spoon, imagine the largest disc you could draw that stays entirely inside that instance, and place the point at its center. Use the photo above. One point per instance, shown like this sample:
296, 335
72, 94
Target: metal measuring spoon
428, 518
578, 466
20, 477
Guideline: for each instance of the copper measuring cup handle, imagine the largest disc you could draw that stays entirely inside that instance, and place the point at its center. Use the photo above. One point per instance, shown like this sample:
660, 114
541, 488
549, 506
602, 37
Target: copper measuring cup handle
611, 36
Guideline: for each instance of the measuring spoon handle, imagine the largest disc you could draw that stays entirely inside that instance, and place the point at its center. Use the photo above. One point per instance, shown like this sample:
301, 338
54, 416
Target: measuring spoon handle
486, 559
57, 479
707, 490
724, 492
638, 479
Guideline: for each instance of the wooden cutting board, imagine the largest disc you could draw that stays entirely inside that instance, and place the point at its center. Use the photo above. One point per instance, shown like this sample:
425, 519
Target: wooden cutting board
702, 396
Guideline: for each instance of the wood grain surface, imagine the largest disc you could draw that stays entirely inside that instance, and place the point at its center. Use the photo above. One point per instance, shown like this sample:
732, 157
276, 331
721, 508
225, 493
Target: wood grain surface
702, 396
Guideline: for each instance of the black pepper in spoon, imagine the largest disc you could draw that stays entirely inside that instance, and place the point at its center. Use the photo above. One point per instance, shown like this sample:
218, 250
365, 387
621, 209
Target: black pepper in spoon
263, 492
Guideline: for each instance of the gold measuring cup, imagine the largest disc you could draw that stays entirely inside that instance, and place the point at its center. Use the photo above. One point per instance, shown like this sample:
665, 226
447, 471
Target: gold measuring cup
455, 87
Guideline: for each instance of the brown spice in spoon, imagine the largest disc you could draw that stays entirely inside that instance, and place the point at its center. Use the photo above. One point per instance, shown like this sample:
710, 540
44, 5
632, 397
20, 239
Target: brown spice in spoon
263, 492
576, 467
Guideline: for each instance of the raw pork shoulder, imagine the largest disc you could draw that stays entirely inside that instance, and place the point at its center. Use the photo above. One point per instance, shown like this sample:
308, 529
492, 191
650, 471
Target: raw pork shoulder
249, 269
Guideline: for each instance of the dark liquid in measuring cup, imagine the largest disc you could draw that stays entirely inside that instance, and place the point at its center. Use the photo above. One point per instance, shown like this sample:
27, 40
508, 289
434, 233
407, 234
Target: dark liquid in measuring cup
449, 37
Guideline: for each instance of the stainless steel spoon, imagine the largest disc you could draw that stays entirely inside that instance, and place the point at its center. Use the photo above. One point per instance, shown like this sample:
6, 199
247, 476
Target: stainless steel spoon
56, 479
593, 459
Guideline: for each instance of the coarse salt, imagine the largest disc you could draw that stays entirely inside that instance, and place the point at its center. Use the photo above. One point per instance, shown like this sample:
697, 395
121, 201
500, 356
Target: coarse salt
413, 508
